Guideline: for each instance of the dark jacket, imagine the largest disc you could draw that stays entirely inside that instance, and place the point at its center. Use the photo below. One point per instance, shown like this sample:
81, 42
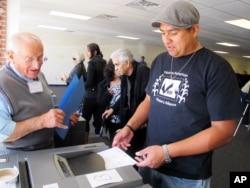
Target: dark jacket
80, 70
95, 74
138, 81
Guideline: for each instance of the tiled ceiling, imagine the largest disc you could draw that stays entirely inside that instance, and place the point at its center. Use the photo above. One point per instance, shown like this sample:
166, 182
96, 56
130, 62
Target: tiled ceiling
133, 17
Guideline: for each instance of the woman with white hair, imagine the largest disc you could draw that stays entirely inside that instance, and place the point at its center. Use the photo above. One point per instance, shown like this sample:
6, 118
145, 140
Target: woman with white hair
79, 68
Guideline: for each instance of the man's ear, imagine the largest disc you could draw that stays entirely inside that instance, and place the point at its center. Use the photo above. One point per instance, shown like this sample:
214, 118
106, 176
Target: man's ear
128, 64
9, 55
196, 29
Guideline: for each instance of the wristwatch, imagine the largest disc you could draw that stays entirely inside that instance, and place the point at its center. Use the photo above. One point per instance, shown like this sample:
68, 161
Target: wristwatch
165, 151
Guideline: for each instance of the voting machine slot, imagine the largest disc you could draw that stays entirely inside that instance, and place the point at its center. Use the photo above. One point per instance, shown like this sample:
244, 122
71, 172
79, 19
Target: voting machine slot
78, 163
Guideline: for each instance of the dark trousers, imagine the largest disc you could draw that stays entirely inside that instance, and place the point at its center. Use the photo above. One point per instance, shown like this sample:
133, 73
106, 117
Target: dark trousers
90, 108
112, 128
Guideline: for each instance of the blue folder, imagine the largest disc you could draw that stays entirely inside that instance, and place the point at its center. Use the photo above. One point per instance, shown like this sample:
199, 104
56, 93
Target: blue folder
70, 102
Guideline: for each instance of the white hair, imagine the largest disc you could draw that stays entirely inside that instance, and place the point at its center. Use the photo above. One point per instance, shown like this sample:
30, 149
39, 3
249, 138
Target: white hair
19, 39
123, 55
79, 56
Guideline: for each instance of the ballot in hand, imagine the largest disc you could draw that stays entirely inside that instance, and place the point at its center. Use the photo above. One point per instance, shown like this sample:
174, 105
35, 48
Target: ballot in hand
63, 76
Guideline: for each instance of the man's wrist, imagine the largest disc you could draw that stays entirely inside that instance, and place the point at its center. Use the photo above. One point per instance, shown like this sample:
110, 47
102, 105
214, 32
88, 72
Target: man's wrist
131, 128
166, 153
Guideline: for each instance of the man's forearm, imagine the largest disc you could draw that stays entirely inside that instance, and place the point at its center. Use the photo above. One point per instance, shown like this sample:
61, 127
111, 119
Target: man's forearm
25, 127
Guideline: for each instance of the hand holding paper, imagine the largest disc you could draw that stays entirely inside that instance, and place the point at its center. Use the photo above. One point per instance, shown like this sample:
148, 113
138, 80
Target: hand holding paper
70, 102
115, 157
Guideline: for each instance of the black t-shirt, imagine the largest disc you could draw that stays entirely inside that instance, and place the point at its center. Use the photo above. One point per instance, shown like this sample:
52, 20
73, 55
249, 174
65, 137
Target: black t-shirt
185, 100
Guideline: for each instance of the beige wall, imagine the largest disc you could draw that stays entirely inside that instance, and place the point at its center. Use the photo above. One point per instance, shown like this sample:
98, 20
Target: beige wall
240, 66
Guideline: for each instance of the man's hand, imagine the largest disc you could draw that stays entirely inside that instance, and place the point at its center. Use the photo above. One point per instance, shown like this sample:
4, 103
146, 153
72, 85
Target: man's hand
74, 118
152, 156
122, 138
53, 118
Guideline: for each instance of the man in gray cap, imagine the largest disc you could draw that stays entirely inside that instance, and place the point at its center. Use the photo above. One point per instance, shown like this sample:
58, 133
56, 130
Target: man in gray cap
192, 106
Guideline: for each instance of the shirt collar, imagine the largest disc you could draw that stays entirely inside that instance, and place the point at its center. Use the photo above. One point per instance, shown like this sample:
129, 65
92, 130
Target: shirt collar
13, 68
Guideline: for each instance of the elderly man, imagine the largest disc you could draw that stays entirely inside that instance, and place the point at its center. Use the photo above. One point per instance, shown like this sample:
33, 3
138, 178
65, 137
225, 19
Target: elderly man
134, 79
192, 105
27, 115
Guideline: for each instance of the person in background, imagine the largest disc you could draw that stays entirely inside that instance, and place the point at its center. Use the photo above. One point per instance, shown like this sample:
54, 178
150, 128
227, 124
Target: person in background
245, 91
27, 117
143, 61
95, 74
134, 79
192, 106
109, 91
79, 68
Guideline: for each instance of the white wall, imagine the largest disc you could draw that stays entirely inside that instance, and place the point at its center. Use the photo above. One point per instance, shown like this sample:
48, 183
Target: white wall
60, 45
13, 8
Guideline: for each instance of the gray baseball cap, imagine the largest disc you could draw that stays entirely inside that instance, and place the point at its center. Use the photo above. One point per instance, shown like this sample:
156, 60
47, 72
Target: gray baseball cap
180, 14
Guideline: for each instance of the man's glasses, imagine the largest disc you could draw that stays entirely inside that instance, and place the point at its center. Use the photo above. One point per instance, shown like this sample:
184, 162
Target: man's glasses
74, 58
31, 60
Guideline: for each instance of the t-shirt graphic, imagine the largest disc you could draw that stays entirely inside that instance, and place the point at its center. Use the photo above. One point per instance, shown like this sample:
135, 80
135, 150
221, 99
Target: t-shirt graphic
171, 91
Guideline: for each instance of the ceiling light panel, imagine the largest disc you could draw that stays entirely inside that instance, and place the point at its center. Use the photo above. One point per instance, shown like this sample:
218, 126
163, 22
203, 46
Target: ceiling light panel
69, 15
127, 37
52, 27
221, 52
227, 44
243, 23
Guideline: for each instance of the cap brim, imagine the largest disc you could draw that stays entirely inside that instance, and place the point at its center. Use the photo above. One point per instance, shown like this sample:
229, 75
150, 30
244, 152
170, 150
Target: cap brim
158, 23
155, 24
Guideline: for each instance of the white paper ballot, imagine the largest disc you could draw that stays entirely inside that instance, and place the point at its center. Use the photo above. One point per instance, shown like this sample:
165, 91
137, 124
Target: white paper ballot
103, 177
115, 157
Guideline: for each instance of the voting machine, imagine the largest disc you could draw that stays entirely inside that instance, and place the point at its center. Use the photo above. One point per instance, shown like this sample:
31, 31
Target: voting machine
66, 167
